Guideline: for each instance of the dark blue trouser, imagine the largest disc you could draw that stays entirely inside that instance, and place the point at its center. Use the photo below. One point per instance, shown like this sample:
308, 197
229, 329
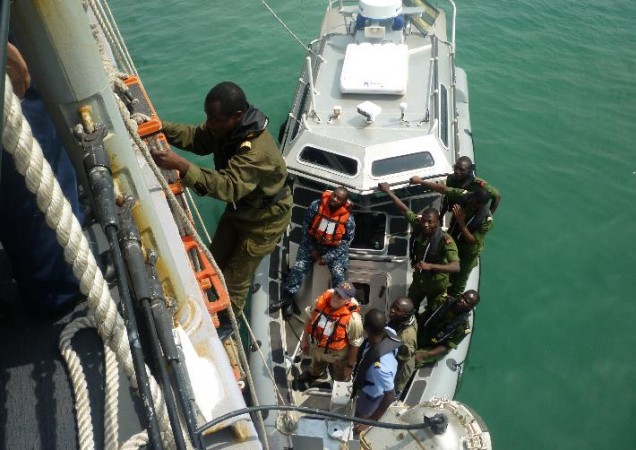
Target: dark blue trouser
46, 282
337, 267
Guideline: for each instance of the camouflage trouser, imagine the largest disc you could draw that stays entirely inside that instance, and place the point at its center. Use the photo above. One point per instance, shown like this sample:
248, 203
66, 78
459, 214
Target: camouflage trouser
426, 286
405, 370
458, 280
338, 268
336, 360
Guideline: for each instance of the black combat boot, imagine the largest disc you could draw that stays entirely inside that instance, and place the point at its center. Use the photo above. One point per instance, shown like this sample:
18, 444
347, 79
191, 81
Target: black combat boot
286, 299
225, 329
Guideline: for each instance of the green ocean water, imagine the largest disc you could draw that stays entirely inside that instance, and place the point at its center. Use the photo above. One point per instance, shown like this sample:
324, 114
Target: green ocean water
553, 106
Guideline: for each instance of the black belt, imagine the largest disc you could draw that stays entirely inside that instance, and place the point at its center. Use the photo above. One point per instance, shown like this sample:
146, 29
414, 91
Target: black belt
281, 194
267, 201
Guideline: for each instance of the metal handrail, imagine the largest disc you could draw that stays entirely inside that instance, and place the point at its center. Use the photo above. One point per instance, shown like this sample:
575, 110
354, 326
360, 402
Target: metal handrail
453, 87
453, 25
455, 122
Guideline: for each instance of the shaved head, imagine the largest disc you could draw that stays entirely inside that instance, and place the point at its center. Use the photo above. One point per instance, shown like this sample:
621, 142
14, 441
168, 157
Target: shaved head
464, 160
401, 309
472, 296
342, 192
405, 304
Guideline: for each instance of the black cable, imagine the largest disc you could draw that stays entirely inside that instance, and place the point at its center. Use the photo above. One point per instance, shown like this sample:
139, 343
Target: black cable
317, 412
97, 167
294, 332
143, 383
133, 256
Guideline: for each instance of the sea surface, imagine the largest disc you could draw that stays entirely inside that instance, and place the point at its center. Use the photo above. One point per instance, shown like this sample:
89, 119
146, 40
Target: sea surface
553, 105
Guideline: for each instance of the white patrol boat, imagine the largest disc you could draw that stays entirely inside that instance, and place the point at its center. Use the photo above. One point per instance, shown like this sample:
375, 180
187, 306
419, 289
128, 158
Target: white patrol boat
353, 123
379, 99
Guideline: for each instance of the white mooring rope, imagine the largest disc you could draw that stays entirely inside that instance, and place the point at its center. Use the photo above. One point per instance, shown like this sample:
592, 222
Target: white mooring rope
18, 141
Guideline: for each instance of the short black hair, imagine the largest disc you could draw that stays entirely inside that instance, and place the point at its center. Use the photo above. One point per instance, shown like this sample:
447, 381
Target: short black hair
230, 96
431, 210
374, 322
464, 159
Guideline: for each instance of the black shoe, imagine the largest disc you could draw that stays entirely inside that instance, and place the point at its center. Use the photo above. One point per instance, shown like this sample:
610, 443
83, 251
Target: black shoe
283, 302
306, 377
300, 386
289, 310
224, 329
303, 382
276, 305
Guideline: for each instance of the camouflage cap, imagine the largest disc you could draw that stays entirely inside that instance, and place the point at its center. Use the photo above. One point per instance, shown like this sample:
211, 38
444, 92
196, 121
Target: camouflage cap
346, 290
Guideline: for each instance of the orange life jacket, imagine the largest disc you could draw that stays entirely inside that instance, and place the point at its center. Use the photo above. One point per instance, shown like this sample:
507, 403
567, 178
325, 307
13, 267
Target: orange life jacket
328, 227
328, 328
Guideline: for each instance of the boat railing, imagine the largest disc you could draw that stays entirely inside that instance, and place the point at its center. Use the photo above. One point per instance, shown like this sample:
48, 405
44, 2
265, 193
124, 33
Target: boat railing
454, 8
453, 100
435, 76
454, 122
304, 89
453, 87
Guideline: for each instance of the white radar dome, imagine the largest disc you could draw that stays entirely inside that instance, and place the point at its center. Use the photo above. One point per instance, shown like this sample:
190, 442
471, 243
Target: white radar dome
380, 9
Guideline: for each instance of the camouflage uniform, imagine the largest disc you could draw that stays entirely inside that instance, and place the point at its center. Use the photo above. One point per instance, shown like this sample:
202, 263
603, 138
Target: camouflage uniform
336, 257
427, 333
468, 252
407, 333
430, 284
250, 176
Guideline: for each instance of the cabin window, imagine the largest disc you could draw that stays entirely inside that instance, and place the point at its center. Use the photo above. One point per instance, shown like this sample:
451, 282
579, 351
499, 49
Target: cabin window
328, 160
362, 293
370, 230
402, 163
443, 115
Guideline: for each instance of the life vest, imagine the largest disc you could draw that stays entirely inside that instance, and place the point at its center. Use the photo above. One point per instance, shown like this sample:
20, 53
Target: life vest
432, 248
328, 328
454, 182
473, 223
328, 227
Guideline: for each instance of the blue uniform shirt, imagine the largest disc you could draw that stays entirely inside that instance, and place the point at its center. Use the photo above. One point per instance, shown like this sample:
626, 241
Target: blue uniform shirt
381, 374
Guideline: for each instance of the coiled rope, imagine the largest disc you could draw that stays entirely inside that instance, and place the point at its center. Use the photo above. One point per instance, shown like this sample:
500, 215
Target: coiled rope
18, 141
78, 382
